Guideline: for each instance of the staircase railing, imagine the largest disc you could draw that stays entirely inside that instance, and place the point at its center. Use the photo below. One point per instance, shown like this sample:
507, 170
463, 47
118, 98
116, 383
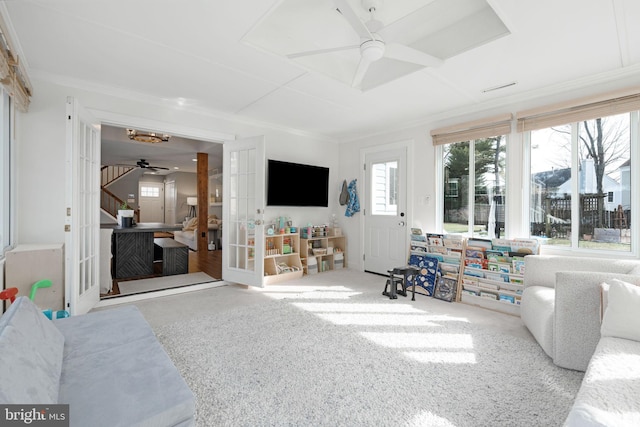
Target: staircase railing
111, 203
109, 174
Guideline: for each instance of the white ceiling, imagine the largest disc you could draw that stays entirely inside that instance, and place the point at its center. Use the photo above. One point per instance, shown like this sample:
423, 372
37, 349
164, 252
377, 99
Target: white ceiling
201, 54
177, 154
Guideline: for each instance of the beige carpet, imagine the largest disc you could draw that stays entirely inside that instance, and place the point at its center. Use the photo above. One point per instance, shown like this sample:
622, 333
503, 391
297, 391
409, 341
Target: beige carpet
159, 283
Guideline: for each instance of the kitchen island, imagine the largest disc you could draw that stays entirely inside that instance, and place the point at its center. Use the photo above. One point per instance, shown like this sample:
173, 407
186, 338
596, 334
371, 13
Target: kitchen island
132, 248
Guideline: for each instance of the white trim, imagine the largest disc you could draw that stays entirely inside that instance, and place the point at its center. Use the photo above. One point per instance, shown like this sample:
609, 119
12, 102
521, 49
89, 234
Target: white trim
634, 134
117, 119
439, 185
108, 302
172, 104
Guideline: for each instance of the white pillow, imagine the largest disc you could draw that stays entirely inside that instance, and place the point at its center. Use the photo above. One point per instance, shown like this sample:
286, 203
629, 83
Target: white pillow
621, 319
604, 296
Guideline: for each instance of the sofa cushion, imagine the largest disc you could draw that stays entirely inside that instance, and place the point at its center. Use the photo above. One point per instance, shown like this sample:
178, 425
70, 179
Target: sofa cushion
621, 318
31, 352
608, 395
113, 360
536, 311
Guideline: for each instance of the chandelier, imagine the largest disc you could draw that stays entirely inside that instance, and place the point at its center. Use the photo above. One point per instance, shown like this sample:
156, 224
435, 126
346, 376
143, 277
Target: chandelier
148, 137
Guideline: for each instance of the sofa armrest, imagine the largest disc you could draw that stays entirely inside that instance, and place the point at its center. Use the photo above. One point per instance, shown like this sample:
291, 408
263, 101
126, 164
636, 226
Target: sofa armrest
577, 315
540, 270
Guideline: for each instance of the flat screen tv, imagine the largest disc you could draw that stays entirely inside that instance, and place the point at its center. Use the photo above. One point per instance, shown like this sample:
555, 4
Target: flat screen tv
295, 184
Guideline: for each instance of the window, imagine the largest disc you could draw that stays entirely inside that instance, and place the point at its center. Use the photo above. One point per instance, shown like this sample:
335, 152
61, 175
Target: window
5, 172
474, 190
580, 192
149, 191
384, 188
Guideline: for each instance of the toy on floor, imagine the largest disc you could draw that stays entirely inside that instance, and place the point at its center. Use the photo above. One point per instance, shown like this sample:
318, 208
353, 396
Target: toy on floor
9, 293
46, 283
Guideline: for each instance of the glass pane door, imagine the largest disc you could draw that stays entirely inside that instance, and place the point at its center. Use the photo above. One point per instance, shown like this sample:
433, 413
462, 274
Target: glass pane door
243, 232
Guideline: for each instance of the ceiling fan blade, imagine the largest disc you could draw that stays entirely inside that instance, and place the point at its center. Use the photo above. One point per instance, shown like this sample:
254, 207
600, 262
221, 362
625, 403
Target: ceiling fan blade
409, 54
157, 167
320, 51
363, 66
353, 19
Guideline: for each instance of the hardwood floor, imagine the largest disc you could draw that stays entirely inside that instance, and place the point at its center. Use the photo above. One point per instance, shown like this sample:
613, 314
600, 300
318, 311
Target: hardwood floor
209, 262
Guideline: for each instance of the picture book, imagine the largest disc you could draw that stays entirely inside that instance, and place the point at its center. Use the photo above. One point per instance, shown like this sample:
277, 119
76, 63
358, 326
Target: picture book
435, 239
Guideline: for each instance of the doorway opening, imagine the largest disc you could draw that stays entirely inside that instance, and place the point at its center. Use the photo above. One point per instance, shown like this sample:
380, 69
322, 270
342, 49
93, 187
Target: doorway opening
157, 179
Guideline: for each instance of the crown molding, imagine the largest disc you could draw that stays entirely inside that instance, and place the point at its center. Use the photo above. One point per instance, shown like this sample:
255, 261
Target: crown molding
141, 97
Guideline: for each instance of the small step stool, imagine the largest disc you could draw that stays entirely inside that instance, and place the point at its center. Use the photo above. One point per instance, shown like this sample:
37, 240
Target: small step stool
395, 285
400, 276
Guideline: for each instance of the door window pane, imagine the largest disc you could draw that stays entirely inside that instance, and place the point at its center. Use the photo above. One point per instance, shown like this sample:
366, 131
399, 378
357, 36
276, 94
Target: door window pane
384, 188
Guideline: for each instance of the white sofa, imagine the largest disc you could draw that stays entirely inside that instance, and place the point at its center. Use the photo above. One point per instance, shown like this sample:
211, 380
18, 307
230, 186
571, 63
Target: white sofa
561, 306
561, 303
107, 366
189, 232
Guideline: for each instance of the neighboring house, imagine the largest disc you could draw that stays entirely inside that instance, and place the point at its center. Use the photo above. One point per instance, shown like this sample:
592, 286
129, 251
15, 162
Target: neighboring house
556, 184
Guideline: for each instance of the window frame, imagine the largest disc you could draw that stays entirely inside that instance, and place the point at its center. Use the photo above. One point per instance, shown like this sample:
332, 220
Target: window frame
574, 247
471, 194
7, 179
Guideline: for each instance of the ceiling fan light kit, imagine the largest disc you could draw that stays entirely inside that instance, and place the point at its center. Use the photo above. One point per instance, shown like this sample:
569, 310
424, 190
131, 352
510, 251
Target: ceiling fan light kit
147, 137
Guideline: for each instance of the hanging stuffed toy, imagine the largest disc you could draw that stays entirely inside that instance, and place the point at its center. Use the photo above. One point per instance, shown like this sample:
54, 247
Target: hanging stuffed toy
344, 194
354, 205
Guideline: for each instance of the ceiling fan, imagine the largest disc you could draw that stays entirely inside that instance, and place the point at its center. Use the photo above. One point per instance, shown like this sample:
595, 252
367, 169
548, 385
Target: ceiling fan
143, 164
372, 46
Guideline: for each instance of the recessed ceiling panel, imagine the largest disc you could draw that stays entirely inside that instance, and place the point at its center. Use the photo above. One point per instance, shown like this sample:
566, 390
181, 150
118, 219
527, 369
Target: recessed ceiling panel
320, 37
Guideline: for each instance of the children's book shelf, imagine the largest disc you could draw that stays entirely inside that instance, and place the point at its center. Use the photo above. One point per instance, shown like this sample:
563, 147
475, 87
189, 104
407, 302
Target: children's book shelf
485, 272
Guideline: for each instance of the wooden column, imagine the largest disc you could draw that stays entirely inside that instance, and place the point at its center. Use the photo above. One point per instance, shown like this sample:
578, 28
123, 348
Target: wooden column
203, 201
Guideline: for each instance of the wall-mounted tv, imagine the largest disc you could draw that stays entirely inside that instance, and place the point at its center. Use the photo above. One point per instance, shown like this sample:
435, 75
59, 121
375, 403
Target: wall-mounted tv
295, 184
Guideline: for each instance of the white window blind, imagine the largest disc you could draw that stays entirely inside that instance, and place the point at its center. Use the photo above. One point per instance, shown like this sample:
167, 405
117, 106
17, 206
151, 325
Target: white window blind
469, 131
12, 75
609, 104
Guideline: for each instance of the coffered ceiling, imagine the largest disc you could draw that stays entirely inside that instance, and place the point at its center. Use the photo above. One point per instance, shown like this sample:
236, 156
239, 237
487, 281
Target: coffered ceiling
231, 57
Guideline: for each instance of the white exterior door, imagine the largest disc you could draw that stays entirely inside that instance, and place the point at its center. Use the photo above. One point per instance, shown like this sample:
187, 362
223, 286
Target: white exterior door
243, 210
170, 201
82, 225
151, 201
385, 219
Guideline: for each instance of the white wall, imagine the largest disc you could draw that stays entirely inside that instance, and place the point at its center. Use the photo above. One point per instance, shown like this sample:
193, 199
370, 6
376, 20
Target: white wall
423, 162
40, 136
40, 154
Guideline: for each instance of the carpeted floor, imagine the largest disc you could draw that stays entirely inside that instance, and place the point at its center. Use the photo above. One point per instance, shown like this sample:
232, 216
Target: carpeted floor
330, 350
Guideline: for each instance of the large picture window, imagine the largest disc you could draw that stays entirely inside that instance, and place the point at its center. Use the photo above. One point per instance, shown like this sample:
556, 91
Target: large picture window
580, 192
474, 187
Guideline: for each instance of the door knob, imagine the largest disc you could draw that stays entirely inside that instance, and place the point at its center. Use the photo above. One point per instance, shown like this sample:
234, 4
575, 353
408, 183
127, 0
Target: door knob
401, 223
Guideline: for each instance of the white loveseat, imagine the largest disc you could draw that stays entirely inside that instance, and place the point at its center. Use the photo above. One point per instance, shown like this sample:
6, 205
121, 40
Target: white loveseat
189, 232
561, 303
562, 306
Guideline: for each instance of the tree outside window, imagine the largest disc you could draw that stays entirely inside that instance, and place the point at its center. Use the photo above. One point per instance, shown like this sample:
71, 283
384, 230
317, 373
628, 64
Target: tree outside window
475, 207
597, 208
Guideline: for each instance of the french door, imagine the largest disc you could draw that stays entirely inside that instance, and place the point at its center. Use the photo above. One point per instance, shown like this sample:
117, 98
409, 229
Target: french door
82, 221
385, 219
243, 177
